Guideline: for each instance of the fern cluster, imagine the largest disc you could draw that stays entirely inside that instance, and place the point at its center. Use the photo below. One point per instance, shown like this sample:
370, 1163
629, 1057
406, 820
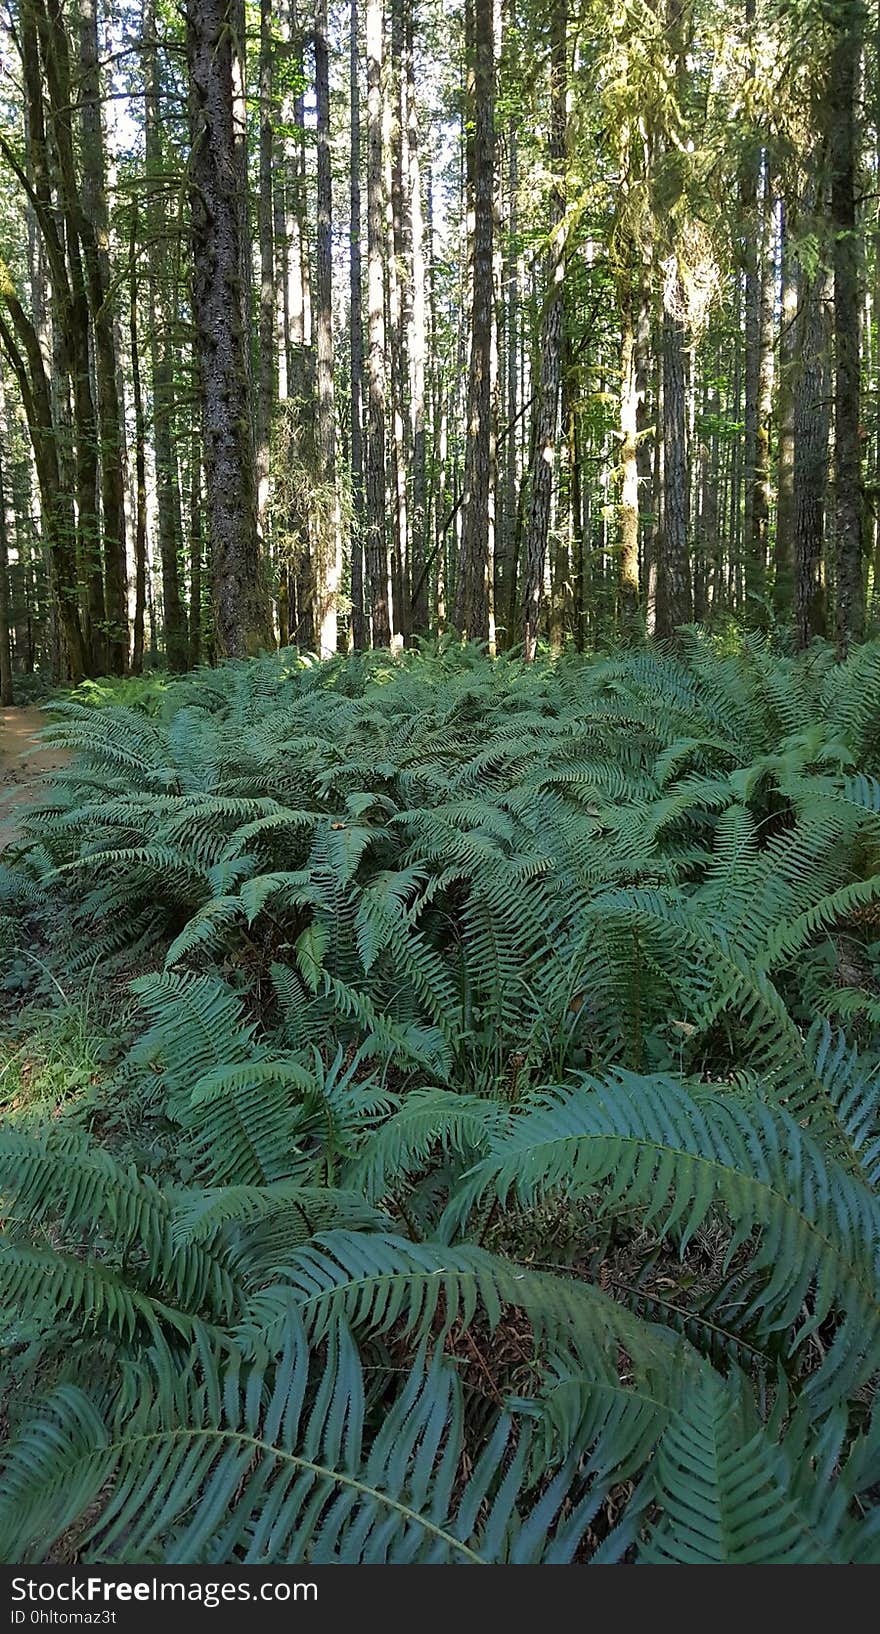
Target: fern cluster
509, 1036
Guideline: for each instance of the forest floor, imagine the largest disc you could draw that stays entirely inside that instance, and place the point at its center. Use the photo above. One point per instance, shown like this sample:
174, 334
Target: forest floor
22, 764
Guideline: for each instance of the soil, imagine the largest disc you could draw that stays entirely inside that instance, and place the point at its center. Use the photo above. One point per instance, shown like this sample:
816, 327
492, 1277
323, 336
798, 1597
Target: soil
22, 766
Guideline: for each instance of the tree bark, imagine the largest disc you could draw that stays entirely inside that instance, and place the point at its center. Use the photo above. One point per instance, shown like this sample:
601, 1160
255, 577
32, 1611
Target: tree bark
394, 93
140, 463
266, 368
811, 428
72, 313
628, 578
506, 549
758, 390
783, 554
327, 540
850, 590
214, 55
674, 589
359, 628
417, 340
472, 590
21, 344
168, 516
547, 407
376, 547
196, 533
297, 601
7, 697
95, 232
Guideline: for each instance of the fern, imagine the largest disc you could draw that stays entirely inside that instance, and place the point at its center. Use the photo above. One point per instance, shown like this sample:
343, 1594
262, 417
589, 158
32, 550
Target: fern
678, 1156
325, 1270
257, 1472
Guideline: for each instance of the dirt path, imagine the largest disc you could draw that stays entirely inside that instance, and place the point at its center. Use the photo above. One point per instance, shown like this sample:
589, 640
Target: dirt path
21, 770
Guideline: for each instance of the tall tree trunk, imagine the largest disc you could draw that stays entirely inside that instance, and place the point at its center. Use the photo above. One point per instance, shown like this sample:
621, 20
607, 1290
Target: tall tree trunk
758, 320
506, 552
709, 489
72, 312
644, 412
761, 496
376, 548
783, 554
811, 428
328, 541
394, 93
547, 408
758, 389
417, 340
297, 601
628, 579
214, 57
6, 692
168, 517
565, 548
472, 591
140, 463
850, 592
21, 344
237, 13
50, 304
195, 545
95, 230
359, 628
437, 593
572, 431
674, 589
266, 367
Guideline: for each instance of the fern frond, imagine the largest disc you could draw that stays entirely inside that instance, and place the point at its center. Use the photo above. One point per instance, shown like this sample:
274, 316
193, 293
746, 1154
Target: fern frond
651, 1144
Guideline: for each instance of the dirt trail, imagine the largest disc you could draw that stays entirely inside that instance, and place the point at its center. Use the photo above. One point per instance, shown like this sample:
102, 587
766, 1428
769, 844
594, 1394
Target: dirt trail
20, 769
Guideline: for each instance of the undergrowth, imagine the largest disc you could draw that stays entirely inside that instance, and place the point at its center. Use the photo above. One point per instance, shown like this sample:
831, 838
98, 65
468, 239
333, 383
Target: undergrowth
467, 1148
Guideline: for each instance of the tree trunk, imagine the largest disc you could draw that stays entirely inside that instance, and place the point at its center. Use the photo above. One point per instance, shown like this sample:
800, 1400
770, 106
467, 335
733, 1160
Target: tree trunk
674, 590
417, 341
547, 411
359, 628
644, 453
195, 546
811, 427
783, 555
297, 566
7, 697
376, 548
95, 230
571, 425
850, 591
168, 518
21, 344
140, 464
214, 55
758, 390
266, 367
72, 313
628, 580
327, 540
394, 92
472, 590
506, 551
761, 497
